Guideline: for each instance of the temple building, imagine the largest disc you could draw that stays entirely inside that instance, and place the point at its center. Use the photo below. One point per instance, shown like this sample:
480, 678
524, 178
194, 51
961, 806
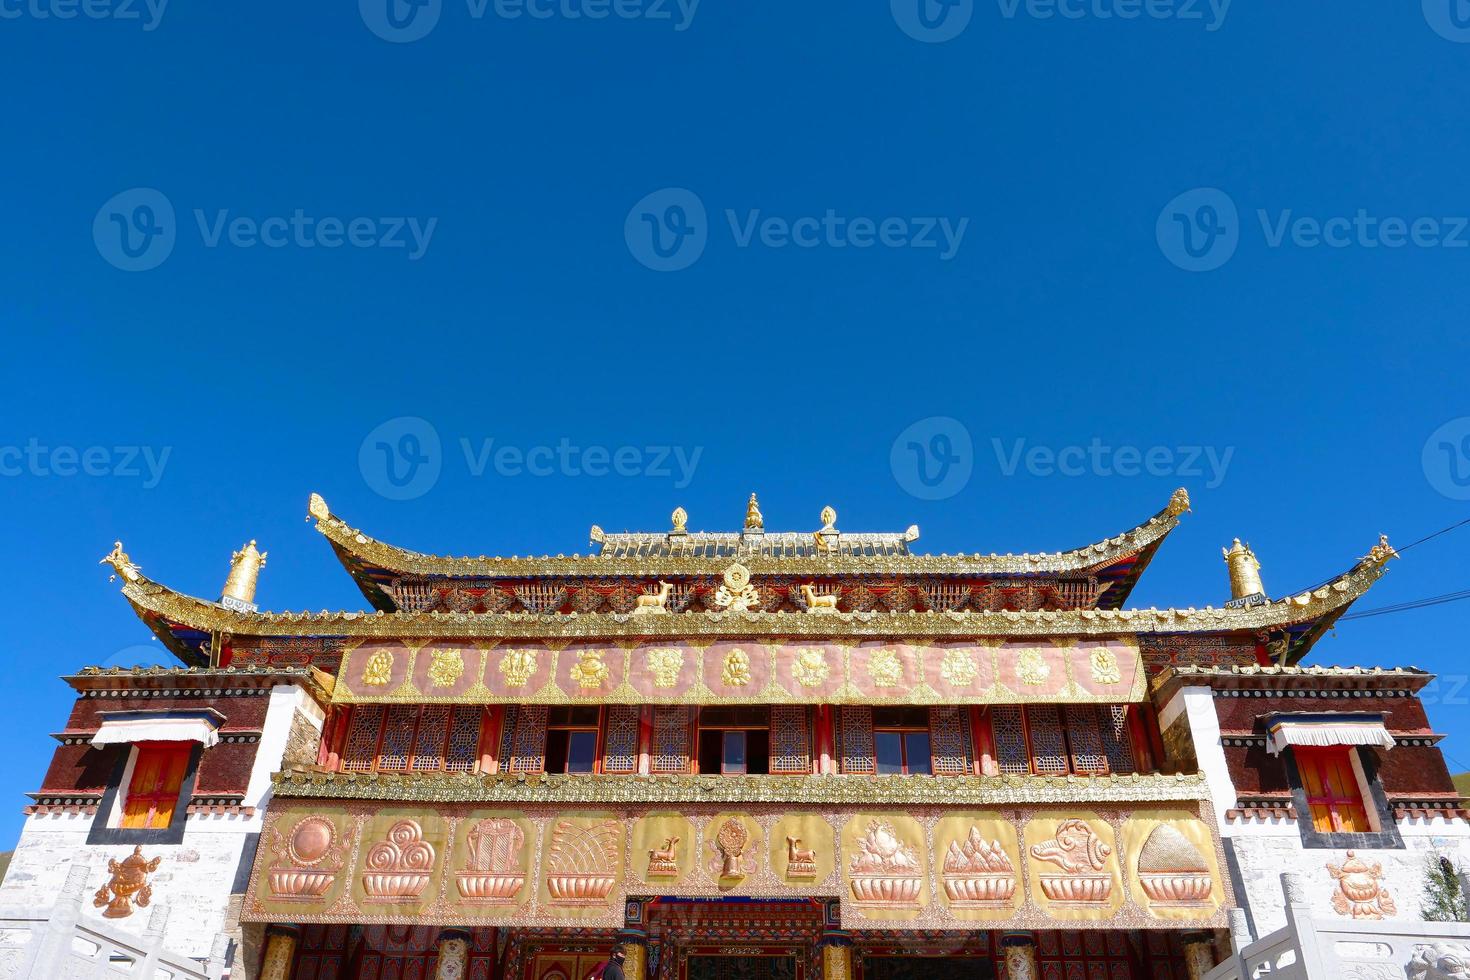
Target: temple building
740, 755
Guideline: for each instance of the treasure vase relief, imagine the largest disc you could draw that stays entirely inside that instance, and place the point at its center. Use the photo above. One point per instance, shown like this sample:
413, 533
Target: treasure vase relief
308, 858
1075, 864
884, 869
494, 869
583, 861
1359, 893
397, 868
128, 884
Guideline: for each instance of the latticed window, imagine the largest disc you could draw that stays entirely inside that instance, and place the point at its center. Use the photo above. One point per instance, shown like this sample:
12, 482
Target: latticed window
1052, 740
528, 741
620, 743
670, 750
413, 738
856, 732
949, 730
791, 739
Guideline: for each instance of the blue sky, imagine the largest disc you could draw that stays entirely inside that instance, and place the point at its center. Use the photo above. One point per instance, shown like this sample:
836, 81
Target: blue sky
1232, 233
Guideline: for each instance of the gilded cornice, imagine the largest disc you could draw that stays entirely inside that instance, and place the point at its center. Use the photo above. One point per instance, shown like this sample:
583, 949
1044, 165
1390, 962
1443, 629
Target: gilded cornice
744, 790
1329, 600
316, 682
372, 553
1271, 678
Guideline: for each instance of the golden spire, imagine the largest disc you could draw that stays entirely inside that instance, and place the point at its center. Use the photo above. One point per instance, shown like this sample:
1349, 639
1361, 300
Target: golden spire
753, 519
245, 566
829, 519
1245, 571
680, 518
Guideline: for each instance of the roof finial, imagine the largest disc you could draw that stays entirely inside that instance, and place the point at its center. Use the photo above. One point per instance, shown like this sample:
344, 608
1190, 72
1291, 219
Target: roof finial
1179, 503
1246, 587
1381, 552
121, 564
753, 519
317, 507
680, 518
245, 566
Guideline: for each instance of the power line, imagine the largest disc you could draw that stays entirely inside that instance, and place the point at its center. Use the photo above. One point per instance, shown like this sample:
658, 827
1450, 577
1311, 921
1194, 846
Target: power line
1411, 604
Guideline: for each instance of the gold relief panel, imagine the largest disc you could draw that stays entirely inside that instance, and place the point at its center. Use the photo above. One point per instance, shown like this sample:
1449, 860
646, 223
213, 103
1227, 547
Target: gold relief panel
303, 861
885, 670
377, 669
581, 865
590, 671
1074, 868
978, 860
400, 857
493, 859
1173, 869
1033, 670
517, 671
960, 671
738, 670
803, 850
663, 849
885, 865
664, 671
447, 670
1105, 669
733, 843
810, 672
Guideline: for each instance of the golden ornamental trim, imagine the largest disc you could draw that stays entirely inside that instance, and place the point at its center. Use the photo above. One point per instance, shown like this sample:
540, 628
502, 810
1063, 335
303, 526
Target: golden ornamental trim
902, 791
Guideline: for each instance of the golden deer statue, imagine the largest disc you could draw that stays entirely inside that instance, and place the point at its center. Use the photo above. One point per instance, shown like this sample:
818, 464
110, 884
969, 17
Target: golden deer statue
818, 603
654, 603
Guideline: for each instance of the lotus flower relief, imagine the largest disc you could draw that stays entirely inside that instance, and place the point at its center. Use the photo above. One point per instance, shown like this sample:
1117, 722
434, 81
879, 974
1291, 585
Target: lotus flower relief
1082, 858
978, 872
379, 669
493, 873
1172, 870
307, 860
885, 871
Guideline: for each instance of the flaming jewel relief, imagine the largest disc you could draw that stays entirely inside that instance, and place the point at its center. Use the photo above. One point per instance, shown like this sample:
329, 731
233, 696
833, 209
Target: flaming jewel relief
493, 873
885, 871
1172, 870
1082, 858
590, 671
1359, 894
978, 872
398, 868
308, 861
1105, 667
517, 666
583, 865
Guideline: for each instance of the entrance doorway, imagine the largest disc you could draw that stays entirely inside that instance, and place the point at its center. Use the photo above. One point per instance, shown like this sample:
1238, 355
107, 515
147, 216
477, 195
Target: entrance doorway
742, 968
928, 968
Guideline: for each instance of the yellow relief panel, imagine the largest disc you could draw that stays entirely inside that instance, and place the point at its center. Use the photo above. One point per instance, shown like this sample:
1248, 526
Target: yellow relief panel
977, 858
581, 865
1173, 873
492, 861
303, 864
400, 856
803, 850
733, 843
663, 850
885, 867
1073, 866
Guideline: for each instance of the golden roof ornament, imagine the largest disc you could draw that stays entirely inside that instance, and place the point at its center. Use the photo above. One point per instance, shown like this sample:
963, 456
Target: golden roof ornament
317, 507
1246, 588
753, 519
1179, 503
680, 518
245, 566
829, 519
1381, 552
121, 564
826, 538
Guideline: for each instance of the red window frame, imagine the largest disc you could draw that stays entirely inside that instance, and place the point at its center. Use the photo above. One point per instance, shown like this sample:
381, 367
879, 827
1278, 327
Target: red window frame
1334, 793
156, 785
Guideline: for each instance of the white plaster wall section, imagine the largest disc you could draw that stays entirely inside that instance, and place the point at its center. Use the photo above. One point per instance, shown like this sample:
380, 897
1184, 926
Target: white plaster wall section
1197, 705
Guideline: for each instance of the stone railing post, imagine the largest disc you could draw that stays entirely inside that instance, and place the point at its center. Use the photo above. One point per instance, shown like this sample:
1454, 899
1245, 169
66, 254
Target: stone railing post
153, 938
1303, 929
55, 945
219, 957
1240, 930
